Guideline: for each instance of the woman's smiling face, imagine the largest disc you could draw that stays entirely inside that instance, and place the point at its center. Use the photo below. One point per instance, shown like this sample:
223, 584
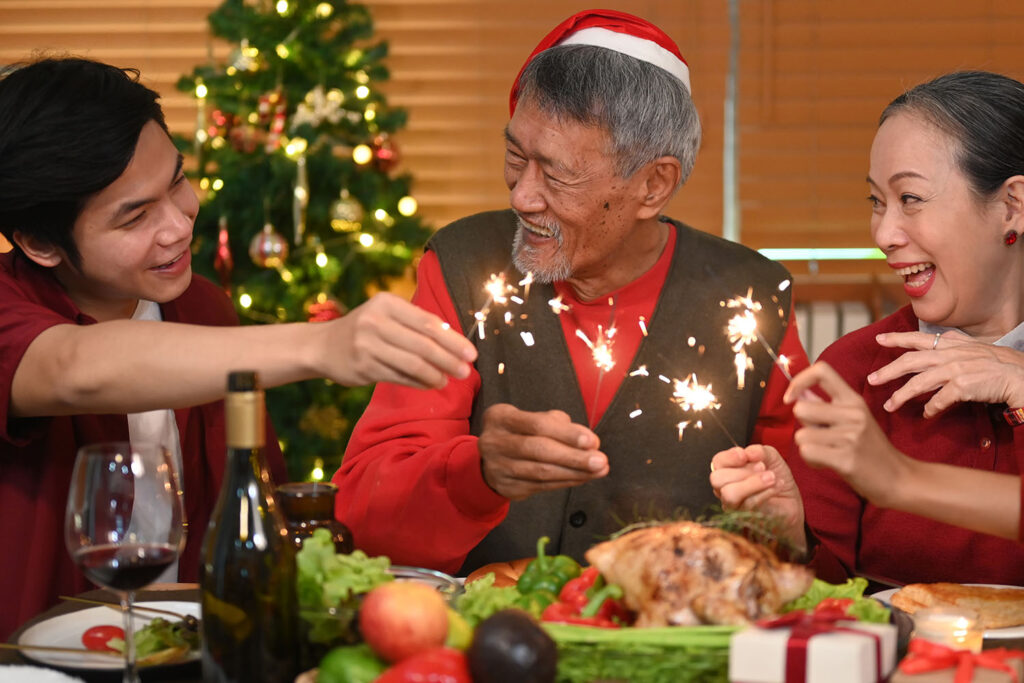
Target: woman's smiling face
945, 241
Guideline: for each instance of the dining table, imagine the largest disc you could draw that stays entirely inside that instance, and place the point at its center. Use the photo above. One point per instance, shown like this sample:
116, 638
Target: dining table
191, 672
188, 672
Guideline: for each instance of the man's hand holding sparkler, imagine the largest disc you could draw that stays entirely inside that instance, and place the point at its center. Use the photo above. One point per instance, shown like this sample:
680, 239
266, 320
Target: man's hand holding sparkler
523, 453
757, 478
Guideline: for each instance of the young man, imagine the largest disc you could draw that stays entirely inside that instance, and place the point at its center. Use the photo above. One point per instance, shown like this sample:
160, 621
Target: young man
105, 334
540, 440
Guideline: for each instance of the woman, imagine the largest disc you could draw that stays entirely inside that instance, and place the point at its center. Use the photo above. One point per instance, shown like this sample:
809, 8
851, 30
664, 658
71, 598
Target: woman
917, 486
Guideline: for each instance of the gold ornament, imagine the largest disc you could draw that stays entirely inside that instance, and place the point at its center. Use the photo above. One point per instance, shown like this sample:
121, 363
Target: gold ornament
268, 249
346, 213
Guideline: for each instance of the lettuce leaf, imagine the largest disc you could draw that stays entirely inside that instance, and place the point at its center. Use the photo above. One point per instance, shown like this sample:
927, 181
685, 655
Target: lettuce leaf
862, 609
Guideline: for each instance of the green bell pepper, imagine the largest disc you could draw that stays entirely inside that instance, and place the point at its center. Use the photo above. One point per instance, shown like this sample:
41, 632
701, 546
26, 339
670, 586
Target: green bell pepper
547, 573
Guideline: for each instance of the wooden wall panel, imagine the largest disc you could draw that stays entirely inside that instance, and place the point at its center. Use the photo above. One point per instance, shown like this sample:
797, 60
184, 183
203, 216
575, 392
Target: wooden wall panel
813, 77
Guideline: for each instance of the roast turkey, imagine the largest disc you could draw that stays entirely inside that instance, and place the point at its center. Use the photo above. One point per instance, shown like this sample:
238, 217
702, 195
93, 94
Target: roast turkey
684, 573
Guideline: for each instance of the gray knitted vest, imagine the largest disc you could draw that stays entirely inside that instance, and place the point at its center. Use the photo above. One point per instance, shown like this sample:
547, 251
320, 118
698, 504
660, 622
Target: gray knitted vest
653, 473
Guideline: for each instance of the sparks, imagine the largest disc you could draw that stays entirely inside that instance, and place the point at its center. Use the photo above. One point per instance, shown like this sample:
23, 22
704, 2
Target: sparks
527, 338
691, 395
741, 330
501, 368
497, 288
557, 306
526, 282
640, 371
601, 349
635, 414
643, 325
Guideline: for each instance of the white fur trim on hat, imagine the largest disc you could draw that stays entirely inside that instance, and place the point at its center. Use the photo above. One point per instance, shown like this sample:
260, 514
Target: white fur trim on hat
640, 48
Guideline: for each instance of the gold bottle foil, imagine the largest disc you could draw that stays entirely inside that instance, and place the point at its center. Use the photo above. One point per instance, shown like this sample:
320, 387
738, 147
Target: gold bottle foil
245, 415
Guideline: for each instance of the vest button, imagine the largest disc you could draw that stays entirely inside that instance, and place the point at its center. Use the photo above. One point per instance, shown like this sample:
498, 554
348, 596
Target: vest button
578, 518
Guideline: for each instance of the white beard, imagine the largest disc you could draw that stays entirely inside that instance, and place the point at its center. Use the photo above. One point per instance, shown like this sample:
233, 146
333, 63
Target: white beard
526, 260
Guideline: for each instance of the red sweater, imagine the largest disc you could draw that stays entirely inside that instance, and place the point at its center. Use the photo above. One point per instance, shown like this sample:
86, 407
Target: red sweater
897, 545
410, 484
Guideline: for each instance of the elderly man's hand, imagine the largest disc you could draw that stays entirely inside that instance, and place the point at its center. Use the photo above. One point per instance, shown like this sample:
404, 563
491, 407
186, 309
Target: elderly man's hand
524, 453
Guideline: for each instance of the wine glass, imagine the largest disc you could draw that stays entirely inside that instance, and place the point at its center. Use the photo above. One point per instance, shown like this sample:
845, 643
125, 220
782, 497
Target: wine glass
124, 522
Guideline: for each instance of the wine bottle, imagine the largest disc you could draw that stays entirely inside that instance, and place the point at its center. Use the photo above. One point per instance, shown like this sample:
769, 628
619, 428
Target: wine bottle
247, 581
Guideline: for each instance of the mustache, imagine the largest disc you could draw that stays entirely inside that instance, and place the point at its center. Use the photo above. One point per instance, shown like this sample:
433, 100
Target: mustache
549, 223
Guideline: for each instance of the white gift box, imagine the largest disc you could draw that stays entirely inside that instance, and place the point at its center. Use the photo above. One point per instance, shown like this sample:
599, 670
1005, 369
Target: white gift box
758, 655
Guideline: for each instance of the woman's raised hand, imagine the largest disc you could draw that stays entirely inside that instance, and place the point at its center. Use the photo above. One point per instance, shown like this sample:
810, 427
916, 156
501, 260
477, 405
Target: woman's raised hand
955, 366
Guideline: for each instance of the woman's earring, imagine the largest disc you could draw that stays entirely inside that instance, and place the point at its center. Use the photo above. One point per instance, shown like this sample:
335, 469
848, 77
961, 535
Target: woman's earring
1010, 237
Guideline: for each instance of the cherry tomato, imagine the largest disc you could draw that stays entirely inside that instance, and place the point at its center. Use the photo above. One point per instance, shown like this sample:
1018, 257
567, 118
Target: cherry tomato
97, 637
841, 604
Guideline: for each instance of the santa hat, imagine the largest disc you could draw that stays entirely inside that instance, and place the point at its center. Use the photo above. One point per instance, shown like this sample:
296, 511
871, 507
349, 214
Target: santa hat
616, 31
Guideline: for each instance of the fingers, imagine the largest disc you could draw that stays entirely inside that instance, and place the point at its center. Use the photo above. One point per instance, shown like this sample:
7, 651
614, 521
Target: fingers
820, 375
393, 340
921, 341
553, 424
523, 453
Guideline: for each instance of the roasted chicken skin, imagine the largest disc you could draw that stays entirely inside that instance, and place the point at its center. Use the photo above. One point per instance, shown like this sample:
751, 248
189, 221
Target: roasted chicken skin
684, 573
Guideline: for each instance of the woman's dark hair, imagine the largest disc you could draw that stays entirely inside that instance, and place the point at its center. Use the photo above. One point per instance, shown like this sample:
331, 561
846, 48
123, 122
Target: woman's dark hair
983, 113
68, 129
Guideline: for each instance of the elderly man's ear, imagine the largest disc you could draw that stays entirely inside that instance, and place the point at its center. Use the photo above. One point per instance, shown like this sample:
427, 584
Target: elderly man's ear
40, 251
660, 181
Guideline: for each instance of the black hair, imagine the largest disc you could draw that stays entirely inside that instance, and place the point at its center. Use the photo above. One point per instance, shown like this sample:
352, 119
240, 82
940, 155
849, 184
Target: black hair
68, 129
983, 113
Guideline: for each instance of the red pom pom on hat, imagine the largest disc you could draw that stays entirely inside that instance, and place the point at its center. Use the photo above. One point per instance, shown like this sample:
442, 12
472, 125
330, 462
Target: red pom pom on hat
616, 31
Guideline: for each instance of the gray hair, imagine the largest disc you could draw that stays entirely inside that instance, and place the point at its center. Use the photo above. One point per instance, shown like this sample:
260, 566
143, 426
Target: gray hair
982, 113
647, 111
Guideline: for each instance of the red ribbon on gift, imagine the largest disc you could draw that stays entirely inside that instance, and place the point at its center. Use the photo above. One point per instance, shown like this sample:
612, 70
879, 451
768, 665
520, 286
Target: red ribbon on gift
924, 656
805, 625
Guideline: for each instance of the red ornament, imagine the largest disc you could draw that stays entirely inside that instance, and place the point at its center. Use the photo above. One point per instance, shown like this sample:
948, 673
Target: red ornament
1010, 237
223, 261
323, 308
385, 153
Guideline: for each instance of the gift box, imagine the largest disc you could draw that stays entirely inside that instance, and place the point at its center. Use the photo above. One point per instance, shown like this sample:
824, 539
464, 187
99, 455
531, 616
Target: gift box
933, 663
831, 652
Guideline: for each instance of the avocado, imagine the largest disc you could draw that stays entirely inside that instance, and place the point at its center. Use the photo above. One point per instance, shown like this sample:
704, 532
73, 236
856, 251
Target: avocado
510, 647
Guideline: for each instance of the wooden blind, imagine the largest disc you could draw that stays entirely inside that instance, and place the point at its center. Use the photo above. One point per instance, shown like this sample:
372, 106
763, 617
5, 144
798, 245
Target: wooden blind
814, 76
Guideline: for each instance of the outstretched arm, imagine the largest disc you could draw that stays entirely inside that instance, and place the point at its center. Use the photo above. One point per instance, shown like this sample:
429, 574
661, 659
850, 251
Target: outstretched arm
132, 366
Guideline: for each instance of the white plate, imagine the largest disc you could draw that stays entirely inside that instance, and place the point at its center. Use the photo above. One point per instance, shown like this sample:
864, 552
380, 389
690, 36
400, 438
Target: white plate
1008, 632
66, 631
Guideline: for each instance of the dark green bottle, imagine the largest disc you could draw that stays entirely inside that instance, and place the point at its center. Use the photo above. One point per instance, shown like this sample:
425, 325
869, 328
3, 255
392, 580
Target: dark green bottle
247, 581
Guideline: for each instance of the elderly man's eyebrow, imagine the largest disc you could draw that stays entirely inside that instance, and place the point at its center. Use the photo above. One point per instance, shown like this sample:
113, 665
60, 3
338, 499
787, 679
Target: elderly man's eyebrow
553, 164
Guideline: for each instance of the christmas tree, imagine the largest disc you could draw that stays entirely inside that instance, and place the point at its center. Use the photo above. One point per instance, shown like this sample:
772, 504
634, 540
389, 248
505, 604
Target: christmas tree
301, 216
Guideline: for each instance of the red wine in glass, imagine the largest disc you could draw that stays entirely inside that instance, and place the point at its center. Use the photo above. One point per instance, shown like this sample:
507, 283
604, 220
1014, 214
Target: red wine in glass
126, 567
124, 522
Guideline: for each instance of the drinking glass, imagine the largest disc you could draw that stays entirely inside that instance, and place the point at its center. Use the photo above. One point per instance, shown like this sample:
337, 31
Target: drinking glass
124, 522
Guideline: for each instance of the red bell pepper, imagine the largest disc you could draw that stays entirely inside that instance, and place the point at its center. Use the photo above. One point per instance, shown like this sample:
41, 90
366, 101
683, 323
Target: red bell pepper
585, 601
437, 665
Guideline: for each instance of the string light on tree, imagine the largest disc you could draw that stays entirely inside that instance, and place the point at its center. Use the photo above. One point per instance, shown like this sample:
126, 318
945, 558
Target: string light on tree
293, 128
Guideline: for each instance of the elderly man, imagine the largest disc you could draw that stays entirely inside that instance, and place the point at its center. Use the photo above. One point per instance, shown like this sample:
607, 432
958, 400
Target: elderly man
550, 435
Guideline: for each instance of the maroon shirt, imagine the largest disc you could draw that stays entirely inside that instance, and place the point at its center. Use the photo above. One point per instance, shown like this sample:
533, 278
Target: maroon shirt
897, 545
38, 454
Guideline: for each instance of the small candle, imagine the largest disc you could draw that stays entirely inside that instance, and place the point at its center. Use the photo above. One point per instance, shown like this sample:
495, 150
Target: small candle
951, 626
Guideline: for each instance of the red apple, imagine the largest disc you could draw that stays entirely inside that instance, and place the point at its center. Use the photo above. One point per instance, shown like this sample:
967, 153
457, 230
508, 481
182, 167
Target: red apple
401, 618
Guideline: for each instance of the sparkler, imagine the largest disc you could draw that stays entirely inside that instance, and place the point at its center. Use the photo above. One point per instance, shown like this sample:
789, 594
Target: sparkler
692, 396
742, 331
